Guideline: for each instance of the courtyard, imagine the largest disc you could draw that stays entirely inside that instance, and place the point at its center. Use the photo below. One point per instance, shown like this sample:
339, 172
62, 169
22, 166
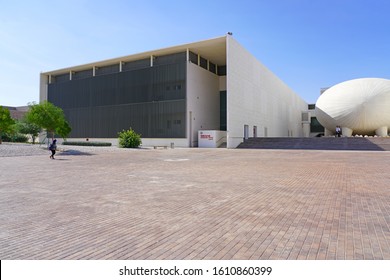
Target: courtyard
194, 204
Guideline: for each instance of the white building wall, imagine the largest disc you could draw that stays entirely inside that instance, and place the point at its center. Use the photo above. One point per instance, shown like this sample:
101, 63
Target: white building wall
257, 97
43, 84
202, 102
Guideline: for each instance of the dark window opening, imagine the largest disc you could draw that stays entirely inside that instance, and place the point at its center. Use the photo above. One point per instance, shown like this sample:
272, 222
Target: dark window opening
212, 67
194, 58
315, 125
203, 63
222, 111
222, 70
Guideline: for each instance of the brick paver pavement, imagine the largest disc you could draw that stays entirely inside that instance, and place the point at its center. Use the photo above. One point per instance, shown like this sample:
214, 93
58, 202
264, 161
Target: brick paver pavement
196, 204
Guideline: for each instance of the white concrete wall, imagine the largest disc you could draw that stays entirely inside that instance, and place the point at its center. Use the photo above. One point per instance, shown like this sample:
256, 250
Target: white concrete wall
257, 97
177, 142
43, 85
202, 102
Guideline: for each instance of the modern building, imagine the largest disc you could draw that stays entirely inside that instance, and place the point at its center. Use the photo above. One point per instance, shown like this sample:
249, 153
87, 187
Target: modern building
360, 106
169, 95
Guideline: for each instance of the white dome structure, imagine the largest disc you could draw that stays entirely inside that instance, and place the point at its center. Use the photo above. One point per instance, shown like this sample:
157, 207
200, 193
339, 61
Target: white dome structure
360, 106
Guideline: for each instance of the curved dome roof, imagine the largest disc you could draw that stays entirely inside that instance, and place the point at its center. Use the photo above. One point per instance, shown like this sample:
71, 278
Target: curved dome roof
362, 105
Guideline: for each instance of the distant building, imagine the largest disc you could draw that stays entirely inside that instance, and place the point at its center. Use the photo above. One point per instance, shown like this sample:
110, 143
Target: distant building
17, 113
170, 95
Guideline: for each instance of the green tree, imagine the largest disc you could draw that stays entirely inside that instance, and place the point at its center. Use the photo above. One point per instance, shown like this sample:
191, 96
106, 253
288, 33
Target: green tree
25, 127
64, 130
6, 122
49, 117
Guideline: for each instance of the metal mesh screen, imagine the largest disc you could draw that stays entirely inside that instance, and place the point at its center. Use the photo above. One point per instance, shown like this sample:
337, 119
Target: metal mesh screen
151, 100
82, 74
107, 69
60, 78
134, 65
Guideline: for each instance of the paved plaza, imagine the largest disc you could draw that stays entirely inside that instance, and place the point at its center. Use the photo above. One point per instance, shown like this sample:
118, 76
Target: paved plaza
111, 203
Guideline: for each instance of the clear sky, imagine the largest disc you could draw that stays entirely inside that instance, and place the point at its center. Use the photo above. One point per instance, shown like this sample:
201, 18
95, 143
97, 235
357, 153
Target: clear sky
309, 44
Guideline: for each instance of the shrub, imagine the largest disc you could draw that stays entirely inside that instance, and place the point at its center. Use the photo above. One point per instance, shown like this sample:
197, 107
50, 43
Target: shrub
82, 143
16, 137
129, 139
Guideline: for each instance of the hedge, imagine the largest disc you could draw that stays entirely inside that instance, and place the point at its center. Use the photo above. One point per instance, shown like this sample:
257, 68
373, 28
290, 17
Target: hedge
87, 143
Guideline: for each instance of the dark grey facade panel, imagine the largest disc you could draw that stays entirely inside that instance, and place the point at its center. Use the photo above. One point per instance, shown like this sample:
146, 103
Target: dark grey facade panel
152, 101
169, 59
82, 74
222, 110
110, 69
60, 78
134, 65
151, 120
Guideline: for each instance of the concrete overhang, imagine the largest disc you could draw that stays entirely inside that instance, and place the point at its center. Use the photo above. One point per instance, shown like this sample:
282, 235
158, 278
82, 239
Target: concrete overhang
212, 49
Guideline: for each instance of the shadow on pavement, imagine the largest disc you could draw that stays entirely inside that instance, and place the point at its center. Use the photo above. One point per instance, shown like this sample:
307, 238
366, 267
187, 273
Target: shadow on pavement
74, 153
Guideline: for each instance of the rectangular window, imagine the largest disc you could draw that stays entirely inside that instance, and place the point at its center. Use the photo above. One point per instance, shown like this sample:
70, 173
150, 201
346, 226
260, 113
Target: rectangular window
212, 67
203, 63
194, 58
222, 70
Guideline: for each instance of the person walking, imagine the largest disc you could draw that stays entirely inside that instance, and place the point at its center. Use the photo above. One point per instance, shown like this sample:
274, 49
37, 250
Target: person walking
338, 131
52, 148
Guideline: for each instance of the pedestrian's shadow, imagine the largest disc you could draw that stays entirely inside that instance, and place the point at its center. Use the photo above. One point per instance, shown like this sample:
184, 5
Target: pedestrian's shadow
74, 153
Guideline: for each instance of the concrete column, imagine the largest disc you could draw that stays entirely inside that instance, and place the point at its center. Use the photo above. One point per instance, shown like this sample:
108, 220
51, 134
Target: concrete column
187, 55
306, 129
120, 66
70, 75
151, 60
382, 131
94, 71
346, 131
43, 88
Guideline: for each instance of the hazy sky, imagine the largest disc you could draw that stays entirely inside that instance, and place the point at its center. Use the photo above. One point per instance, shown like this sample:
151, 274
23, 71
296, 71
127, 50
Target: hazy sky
308, 44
